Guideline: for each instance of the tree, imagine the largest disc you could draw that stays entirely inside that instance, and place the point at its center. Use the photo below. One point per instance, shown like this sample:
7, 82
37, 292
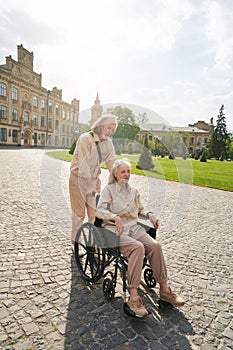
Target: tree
229, 147
142, 118
219, 137
145, 158
127, 127
203, 157
126, 131
124, 115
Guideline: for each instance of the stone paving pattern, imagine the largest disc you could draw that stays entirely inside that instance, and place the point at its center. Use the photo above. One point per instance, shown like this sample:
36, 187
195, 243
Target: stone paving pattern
46, 305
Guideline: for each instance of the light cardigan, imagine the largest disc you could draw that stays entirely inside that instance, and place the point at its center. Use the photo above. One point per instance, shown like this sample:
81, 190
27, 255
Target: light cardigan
115, 201
85, 162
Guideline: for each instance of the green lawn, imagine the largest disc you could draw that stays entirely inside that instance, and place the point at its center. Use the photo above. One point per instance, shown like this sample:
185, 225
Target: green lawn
213, 173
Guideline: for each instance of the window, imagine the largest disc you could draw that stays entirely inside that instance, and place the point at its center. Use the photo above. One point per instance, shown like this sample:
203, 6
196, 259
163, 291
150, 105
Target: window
42, 104
26, 117
56, 124
15, 136
50, 107
14, 114
42, 122
68, 115
14, 94
35, 101
42, 139
206, 140
2, 112
2, 89
57, 109
56, 140
49, 123
3, 135
35, 137
63, 114
34, 119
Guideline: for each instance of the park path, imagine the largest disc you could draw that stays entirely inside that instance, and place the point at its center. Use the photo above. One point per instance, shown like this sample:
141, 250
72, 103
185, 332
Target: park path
46, 305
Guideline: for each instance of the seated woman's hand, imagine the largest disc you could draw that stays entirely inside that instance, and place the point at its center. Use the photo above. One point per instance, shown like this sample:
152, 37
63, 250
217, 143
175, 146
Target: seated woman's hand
119, 225
153, 220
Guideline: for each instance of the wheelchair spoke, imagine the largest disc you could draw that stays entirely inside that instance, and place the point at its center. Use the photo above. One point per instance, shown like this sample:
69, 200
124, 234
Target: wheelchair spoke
90, 258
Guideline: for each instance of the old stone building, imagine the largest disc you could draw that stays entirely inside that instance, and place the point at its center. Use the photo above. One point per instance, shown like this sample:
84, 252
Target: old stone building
31, 115
194, 136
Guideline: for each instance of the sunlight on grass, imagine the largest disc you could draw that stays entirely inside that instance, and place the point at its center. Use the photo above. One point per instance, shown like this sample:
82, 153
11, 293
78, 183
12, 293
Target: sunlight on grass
213, 173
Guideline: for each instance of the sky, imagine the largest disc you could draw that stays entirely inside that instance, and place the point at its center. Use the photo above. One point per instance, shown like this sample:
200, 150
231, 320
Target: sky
172, 58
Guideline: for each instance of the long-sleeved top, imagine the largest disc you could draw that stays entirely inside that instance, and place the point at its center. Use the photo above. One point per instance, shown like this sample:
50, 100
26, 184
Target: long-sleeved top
125, 203
86, 159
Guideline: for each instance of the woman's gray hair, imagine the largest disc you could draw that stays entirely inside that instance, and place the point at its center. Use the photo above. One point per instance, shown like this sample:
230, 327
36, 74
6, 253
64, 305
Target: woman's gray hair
112, 178
104, 119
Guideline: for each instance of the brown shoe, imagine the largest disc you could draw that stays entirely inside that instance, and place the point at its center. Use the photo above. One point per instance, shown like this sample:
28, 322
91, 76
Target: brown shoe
172, 298
136, 305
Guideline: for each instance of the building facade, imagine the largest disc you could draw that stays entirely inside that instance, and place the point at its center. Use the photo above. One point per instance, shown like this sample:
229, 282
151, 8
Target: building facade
31, 115
194, 136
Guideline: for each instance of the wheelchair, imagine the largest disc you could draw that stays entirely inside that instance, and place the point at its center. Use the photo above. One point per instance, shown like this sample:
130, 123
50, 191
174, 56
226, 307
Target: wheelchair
98, 255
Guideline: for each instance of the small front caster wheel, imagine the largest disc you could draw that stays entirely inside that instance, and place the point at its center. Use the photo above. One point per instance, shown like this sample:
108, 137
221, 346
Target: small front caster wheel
108, 289
149, 278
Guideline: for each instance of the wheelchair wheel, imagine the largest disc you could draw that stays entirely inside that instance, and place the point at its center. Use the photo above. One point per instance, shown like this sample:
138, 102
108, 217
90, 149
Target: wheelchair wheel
90, 258
149, 278
108, 288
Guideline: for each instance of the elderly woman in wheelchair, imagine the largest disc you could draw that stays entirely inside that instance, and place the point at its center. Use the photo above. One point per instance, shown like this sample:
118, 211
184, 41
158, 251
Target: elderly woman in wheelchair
120, 207
119, 240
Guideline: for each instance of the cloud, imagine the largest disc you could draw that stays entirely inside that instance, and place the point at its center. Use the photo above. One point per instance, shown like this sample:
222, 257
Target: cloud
173, 58
18, 26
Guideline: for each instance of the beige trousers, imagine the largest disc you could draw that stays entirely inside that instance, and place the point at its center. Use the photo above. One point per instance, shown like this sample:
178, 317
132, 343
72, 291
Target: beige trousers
135, 246
81, 203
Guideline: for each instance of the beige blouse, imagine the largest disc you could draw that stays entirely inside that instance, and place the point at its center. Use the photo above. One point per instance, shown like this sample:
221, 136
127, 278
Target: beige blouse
123, 202
85, 162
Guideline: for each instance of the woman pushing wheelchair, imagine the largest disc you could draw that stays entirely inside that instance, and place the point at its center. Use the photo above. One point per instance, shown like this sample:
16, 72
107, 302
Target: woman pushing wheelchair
120, 207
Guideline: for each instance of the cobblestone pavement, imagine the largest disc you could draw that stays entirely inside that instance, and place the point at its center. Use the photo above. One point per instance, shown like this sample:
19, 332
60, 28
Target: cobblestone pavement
46, 305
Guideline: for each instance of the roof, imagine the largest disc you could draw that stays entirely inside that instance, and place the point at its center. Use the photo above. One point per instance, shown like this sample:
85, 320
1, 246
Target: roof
164, 127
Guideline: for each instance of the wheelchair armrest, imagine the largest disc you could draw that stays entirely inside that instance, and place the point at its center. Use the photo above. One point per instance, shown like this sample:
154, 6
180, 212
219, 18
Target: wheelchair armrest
98, 222
149, 229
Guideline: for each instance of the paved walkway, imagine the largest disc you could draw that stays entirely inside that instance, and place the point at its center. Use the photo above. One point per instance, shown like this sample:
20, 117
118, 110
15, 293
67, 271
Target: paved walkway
46, 305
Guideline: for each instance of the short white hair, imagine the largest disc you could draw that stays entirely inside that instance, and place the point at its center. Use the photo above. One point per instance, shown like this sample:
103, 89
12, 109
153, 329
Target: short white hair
115, 166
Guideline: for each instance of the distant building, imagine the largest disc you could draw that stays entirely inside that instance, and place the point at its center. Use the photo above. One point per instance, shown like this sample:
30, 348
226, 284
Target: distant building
31, 115
194, 135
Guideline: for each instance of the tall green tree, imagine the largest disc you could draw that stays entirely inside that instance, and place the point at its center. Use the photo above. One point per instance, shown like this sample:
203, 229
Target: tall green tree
127, 127
124, 115
219, 137
229, 146
145, 158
